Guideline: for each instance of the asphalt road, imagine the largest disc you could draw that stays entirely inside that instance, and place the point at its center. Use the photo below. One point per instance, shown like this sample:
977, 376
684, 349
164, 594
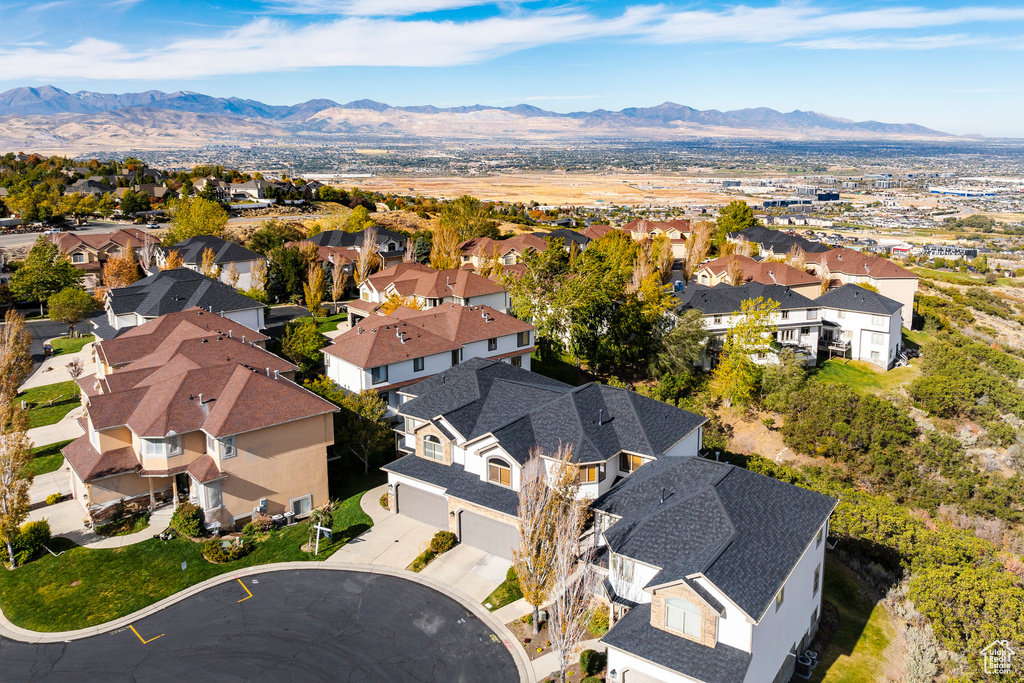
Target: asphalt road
41, 331
279, 315
297, 626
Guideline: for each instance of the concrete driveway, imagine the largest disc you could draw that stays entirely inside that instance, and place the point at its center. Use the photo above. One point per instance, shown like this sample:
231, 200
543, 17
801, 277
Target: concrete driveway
473, 571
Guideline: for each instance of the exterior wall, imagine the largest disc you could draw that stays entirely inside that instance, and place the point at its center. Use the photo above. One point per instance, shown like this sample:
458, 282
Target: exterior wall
277, 463
250, 317
709, 618
902, 290
130, 485
499, 301
428, 429
857, 328
634, 589
455, 506
624, 663
778, 632
689, 445
734, 628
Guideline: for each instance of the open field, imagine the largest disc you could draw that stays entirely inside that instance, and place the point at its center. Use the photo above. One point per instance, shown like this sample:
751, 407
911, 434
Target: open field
631, 189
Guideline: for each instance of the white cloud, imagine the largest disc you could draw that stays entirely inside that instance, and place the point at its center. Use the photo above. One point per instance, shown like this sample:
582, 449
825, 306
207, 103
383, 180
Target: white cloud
370, 8
273, 45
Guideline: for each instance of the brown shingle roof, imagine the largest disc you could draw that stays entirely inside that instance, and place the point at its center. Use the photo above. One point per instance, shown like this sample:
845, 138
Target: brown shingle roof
416, 279
124, 237
204, 469
408, 333
146, 338
596, 232
765, 272
90, 464
645, 227
850, 262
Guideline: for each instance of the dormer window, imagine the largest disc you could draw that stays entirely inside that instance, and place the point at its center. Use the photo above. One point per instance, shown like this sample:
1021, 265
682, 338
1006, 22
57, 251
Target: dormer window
432, 448
499, 472
78, 258
682, 616
629, 462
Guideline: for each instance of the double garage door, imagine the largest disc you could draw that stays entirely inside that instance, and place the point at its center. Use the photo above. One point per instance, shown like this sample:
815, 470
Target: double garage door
475, 530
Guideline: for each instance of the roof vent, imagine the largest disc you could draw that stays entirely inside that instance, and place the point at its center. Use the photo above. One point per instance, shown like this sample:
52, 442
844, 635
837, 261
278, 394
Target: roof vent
277, 375
359, 331
243, 338
231, 337
662, 494
204, 340
268, 372
600, 417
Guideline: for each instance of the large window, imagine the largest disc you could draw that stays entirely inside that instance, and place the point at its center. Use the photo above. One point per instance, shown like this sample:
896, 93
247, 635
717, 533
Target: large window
164, 448
523, 338
455, 357
817, 579
877, 320
379, 375
629, 462
302, 506
516, 361
785, 315
622, 567
682, 616
417, 364
785, 335
492, 344
812, 313
432, 447
590, 474
877, 338
499, 472
78, 258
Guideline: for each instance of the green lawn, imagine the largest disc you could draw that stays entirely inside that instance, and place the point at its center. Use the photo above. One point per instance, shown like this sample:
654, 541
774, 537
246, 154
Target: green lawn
66, 345
328, 324
952, 277
63, 395
112, 583
856, 652
505, 594
45, 459
865, 378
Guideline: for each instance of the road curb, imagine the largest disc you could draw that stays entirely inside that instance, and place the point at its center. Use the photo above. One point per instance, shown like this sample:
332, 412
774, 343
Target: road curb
526, 673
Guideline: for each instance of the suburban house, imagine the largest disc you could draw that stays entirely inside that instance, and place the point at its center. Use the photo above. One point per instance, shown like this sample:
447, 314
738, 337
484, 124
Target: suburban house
252, 189
568, 237
765, 272
171, 291
88, 186
386, 353
428, 288
220, 190
846, 266
797, 319
89, 252
477, 251
203, 416
597, 231
191, 323
467, 433
775, 244
390, 245
863, 323
153, 190
714, 573
228, 256
675, 230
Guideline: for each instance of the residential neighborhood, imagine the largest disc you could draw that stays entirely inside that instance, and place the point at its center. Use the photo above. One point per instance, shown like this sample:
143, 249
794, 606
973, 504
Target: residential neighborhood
693, 447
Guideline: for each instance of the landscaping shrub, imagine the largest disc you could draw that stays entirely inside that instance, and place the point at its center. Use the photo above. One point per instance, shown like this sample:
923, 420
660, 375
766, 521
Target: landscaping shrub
511, 575
261, 522
442, 542
599, 620
591, 679
187, 520
214, 551
30, 540
53, 498
384, 501
590, 662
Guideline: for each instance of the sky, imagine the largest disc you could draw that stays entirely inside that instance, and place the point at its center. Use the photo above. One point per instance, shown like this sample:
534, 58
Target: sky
946, 65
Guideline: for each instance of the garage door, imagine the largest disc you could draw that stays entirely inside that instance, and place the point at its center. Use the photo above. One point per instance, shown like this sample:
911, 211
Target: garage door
426, 507
487, 534
637, 677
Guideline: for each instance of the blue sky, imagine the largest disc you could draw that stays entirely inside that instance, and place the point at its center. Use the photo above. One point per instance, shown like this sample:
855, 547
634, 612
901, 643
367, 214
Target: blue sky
951, 66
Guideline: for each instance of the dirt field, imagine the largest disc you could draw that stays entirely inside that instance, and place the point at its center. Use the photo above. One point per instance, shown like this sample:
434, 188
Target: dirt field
557, 188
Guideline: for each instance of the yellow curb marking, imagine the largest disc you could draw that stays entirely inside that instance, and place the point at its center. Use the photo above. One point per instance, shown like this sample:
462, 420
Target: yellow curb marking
144, 641
245, 589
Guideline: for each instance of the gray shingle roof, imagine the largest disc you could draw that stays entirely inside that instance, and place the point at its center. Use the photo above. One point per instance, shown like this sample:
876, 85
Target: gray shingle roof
724, 299
457, 483
742, 530
523, 409
170, 291
340, 238
192, 249
634, 634
779, 241
852, 297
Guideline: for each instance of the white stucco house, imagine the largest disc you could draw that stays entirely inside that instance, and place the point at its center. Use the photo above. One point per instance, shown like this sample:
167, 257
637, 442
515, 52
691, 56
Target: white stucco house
468, 432
386, 353
714, 573
862, 325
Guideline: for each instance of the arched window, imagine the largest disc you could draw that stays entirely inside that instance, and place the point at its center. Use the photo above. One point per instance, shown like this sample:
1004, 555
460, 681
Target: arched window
432, 447
682, 616
499, 472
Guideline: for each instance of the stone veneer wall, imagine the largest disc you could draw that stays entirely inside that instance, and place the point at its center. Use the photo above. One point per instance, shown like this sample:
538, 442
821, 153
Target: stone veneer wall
709, 618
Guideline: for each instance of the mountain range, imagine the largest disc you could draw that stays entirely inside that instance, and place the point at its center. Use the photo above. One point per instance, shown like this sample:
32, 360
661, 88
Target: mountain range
41, 117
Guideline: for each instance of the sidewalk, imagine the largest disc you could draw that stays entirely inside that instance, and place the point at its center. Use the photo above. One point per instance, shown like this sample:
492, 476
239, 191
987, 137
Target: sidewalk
54, 368
547, 664
65, 430
67, 521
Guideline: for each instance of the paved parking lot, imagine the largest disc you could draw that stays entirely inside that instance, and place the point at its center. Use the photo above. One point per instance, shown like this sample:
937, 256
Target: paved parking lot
297, 626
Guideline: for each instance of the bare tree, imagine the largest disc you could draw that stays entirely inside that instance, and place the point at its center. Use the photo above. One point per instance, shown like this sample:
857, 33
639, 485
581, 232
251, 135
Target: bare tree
543, 502
368, 259
409, 255
796, 257
258, 277
75, 368
643, 267
826, 278
15, 355
664, 259
697, 247
734, 272
445, 253
314, 288
339, 278
232, 275
572, 591
147, 255
15, 454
